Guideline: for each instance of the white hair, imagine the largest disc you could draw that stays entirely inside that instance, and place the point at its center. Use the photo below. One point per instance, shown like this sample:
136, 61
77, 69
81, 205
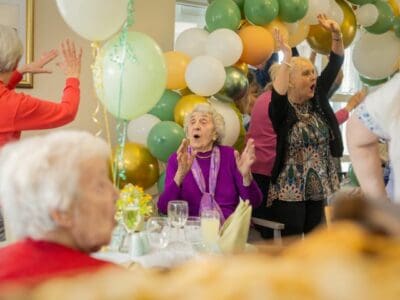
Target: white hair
41, 174
10, 49
218, 120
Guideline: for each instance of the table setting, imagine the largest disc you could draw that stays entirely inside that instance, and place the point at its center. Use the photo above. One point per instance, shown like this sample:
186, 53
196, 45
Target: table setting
166, 241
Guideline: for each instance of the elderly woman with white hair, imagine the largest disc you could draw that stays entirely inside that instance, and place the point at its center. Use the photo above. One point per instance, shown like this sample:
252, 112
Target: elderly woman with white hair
59, 204
203, 171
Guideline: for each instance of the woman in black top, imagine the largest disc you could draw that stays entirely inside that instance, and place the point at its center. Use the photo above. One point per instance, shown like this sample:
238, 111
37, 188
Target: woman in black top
308, 136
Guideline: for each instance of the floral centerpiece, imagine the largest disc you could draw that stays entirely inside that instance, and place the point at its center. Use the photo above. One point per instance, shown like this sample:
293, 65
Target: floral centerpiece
133, 206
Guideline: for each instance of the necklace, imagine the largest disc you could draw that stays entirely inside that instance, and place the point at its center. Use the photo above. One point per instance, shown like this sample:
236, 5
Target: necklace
203, 157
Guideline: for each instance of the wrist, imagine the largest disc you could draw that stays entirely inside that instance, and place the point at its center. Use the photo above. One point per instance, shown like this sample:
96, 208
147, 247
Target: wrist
337, 36
247, 179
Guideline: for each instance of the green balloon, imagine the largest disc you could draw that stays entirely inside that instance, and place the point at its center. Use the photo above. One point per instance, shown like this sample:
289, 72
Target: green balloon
161, 183
352, 176
261, 12
372, 82
164, 139
223, 14
236, 85
239, 3
385, 18
164, 109
291, 11
130, 85
396, 26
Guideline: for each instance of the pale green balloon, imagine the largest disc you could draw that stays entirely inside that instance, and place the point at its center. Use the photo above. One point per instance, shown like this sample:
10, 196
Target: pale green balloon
130, 87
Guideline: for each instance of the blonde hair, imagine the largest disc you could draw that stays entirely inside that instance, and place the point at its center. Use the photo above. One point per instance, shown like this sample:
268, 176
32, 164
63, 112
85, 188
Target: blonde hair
218, 120
10, 49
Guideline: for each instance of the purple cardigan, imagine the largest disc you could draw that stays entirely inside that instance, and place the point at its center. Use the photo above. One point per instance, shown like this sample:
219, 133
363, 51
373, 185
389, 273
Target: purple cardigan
229, 185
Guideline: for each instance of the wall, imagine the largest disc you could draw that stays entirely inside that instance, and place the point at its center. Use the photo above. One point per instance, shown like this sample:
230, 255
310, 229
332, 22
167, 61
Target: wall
153, 17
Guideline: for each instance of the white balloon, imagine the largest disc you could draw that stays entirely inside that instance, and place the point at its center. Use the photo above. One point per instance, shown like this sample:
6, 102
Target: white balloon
367, 15
205, 75
316, 7
95, 20
232, 122
375, 56
335, 12
139, 128
225, 45
192, 42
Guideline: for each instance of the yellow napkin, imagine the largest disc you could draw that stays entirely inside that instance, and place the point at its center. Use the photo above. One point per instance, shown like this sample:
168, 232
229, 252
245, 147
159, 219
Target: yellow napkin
234, 232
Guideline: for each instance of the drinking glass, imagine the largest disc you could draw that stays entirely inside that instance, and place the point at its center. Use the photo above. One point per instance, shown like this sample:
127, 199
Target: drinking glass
193, 231
178, 212
131, 219
158, 232
210, 223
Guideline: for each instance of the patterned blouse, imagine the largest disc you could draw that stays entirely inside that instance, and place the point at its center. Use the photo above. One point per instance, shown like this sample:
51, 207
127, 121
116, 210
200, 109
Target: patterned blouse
309, 172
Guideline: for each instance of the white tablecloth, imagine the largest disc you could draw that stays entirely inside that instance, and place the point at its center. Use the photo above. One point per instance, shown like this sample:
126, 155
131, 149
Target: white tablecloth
174, 254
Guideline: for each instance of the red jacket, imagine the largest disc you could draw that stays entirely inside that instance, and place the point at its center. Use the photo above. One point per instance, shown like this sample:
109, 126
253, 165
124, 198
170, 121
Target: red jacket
23, 112
30, 262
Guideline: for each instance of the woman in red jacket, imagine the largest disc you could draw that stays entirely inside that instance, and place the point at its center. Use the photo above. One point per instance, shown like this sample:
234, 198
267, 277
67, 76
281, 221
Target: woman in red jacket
19, 111
23, 112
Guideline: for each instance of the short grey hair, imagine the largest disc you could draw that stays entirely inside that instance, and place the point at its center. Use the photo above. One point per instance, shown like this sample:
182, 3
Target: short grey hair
41, 174
216, 117
10, 49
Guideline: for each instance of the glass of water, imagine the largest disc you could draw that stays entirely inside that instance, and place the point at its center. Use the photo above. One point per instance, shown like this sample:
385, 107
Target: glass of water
178, 212
158, 232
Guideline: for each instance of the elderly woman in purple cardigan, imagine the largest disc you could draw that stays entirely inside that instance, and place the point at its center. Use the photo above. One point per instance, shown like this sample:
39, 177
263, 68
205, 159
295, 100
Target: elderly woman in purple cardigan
205, 173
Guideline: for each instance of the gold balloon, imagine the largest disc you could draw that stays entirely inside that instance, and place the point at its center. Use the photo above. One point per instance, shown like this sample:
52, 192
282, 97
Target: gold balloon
185, 105
320, 40
141, 168
242, 66
298, 32
395, 7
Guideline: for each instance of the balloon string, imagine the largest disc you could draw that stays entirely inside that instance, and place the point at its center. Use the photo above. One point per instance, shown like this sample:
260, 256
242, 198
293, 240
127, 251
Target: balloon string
97, 69
119, 166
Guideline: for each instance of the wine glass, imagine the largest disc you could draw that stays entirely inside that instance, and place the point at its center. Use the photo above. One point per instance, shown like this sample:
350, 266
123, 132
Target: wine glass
210, 223
178, 212
158, 232
131, 219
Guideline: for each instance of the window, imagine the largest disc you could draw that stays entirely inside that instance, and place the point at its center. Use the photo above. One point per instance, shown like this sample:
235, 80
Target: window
189, 14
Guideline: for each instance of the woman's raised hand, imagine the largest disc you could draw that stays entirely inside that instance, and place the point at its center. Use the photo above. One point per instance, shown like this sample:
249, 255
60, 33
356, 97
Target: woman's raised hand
246, 160
185, 160
328, 24
72, 60
38, 65
282, 44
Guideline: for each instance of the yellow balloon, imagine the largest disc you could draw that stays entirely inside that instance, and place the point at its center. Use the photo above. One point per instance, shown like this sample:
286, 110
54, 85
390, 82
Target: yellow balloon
395, 7
276, 23
141, 168
176, 67
320, 39
298, 32
242, 66
185, 105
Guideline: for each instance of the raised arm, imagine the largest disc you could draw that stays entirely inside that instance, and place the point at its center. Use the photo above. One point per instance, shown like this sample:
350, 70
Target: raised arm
336, 33
281, 81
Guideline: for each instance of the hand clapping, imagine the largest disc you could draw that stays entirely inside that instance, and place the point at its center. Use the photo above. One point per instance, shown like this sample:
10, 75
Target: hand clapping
185, 161
246, 159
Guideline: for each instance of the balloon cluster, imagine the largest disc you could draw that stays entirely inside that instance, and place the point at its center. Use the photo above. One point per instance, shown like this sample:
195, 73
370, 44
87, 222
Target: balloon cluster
211, 64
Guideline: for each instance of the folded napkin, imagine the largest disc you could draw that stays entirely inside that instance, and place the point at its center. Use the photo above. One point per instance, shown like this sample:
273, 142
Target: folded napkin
234, 232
